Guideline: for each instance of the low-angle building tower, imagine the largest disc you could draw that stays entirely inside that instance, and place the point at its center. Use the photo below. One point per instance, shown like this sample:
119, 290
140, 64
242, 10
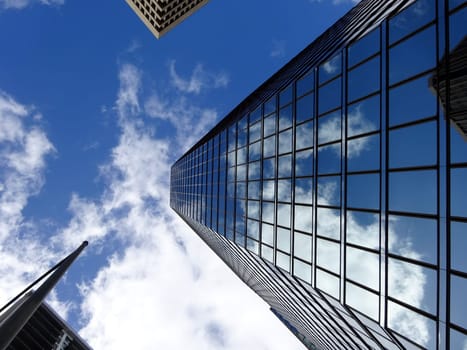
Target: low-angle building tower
337, 190
160, 16
27, 322
47, 330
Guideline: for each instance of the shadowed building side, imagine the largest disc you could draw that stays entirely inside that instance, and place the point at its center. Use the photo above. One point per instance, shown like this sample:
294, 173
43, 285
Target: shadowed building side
47, 330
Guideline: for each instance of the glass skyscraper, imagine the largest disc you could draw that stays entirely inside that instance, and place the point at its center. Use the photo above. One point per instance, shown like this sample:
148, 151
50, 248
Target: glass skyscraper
338, 189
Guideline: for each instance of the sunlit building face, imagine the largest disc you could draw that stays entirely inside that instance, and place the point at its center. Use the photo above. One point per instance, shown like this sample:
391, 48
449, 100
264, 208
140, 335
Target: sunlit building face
160, 16
338, 190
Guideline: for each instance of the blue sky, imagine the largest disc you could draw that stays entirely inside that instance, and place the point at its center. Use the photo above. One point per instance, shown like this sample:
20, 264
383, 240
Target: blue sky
93, 111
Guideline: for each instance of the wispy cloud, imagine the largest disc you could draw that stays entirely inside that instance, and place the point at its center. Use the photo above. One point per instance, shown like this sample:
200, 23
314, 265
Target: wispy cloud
173, 282
21, 4
24, 148
278, 48
200, 79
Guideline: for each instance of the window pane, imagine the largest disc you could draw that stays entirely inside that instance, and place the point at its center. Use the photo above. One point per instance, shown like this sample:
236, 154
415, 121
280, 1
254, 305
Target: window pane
270, 106
413, 146
285, 117
362, 300
252, 246
254, 171
329, 159
285, 166
232, 137
268, 212
364, 47
285, 142
303, 218
283, 261
329, 223
327, 283
267, 234
363, 267
269, 147
302, 270
413, 191
304, 163
363, 229
329, 96
412, 237
255, 132
459, 192
269, 125
411, 101
241, 173
415, 16
284, 190
458, 340
253, 189
302, 246
253, 209
241, 155
254, 151
412, 284
363, 116
241, 190
269, 189
305, 84
285, 96
413, 56
458, 245
329, 128
283, 215
304, 135
283, 239
269, 168
457, 30
305, 108
363, 153
241, 137
329, 190
458, 147
364, 79
267, 253
255, 115
304, 190
330, 69
363, 191
412, 325
328, 255
253, 229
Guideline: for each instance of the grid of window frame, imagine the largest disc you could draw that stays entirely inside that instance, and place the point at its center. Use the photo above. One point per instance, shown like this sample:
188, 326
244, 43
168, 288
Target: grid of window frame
268, 205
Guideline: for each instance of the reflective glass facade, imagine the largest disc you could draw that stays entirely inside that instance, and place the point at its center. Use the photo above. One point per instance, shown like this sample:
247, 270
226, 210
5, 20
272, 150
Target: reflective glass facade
338, 189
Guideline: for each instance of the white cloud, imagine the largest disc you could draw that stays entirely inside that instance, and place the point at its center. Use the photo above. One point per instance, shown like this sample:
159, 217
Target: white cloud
189, 120
24, 147
20, 4
164, 286
127, 100
199, 80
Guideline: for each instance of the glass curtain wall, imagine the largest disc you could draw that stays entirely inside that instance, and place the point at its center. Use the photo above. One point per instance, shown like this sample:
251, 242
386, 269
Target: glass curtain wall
353, 178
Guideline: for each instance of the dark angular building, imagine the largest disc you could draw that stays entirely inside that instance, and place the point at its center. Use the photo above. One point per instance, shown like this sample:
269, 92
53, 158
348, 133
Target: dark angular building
337, 190
47, 330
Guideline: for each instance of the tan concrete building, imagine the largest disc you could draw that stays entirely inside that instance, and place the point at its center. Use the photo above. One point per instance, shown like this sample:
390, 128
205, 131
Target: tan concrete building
162, 15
